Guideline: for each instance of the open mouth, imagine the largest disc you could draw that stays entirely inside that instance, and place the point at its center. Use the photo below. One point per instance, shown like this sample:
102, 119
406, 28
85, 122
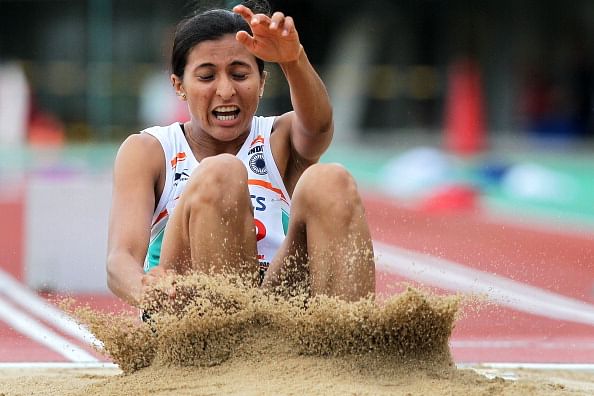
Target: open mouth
226, 113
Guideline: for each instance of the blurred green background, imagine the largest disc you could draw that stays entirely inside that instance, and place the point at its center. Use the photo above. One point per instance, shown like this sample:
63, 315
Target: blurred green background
90, 63
81, 75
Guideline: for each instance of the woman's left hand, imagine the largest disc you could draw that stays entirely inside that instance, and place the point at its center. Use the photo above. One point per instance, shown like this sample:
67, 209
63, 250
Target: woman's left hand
274, 39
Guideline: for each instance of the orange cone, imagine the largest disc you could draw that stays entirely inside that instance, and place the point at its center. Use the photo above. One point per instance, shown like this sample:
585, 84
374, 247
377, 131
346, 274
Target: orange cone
464, 121
454, 199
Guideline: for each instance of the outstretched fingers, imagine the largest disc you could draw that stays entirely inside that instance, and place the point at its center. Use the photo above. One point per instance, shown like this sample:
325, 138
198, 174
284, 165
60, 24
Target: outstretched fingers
245, 12
257, 22
277, 20
252, 19
282, 23
273, 39
244, 38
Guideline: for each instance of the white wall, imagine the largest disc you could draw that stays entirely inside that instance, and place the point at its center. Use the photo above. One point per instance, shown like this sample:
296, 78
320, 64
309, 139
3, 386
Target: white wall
66, 219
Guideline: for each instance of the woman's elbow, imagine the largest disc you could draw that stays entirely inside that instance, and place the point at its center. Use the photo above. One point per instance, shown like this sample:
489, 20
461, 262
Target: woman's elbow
111, 273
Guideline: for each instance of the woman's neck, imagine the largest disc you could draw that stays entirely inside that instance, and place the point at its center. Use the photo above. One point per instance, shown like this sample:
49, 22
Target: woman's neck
203, 145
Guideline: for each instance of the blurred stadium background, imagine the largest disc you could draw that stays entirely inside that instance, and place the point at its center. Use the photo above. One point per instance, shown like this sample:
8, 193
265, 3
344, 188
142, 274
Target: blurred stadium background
444, 106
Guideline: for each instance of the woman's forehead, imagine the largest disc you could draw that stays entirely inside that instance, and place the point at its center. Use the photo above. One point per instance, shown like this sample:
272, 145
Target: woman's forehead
220, 52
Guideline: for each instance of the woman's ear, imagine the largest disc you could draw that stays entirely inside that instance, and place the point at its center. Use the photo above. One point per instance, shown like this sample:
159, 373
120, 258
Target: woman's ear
263, 83
178, 86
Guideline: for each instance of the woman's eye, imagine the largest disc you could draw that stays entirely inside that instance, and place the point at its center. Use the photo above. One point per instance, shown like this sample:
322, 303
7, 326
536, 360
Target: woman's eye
208, 77
239, 76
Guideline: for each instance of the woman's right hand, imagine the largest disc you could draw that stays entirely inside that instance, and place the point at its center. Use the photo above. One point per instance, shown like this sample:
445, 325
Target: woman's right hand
154, 276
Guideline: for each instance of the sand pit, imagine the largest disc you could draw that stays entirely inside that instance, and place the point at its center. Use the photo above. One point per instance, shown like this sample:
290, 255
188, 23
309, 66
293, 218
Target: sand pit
218, 338
294, 375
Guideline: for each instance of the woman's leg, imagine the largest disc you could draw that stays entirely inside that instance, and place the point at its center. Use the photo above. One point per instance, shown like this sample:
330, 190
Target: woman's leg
212, 227
328, 237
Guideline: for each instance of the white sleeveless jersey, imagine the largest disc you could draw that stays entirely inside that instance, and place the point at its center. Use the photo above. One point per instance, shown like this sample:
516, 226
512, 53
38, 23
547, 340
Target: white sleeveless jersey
269, 196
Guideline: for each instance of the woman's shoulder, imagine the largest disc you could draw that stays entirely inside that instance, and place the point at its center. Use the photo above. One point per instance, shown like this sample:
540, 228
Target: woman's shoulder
152, 137
281, 126
139, 141
161, 132
140, 147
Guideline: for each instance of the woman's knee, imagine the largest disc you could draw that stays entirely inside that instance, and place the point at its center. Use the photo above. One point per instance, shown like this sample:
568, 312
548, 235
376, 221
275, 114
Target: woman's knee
328, 179
328, 189
218, 181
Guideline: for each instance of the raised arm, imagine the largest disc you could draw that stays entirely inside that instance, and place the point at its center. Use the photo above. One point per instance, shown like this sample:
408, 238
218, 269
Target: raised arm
275, 39
137, 170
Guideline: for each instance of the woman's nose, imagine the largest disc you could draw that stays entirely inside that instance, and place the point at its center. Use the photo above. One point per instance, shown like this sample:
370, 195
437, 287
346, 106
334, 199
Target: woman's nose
225, 89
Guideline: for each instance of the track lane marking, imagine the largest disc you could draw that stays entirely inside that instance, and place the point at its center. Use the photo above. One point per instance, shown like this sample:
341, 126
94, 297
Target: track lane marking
455, 277
521, 343
31, 302
35, 330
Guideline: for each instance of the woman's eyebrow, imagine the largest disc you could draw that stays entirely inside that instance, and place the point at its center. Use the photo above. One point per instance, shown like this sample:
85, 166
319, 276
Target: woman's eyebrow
212, 65
240, 63
207, 64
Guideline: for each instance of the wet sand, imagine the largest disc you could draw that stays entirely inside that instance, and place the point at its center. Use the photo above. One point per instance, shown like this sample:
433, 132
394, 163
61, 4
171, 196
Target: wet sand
218, 338
291, 376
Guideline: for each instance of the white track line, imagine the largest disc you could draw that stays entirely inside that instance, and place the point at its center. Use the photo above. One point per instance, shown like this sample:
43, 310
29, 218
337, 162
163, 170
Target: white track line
565, 345
49, 313
530, 366
496, 366
35, 330
59, 365
504, 291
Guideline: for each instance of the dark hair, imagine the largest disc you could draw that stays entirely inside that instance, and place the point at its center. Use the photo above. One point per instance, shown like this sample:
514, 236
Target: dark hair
210, 25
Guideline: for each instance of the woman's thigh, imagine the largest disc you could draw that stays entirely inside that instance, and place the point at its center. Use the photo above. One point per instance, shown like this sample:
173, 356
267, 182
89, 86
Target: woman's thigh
328, 244
212, 226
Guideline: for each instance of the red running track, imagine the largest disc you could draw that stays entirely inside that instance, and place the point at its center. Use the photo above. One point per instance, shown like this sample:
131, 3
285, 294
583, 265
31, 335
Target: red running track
556, 267
557, 263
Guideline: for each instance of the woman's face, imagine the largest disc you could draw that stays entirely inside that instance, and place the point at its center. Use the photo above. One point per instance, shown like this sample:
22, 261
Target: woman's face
222, 86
